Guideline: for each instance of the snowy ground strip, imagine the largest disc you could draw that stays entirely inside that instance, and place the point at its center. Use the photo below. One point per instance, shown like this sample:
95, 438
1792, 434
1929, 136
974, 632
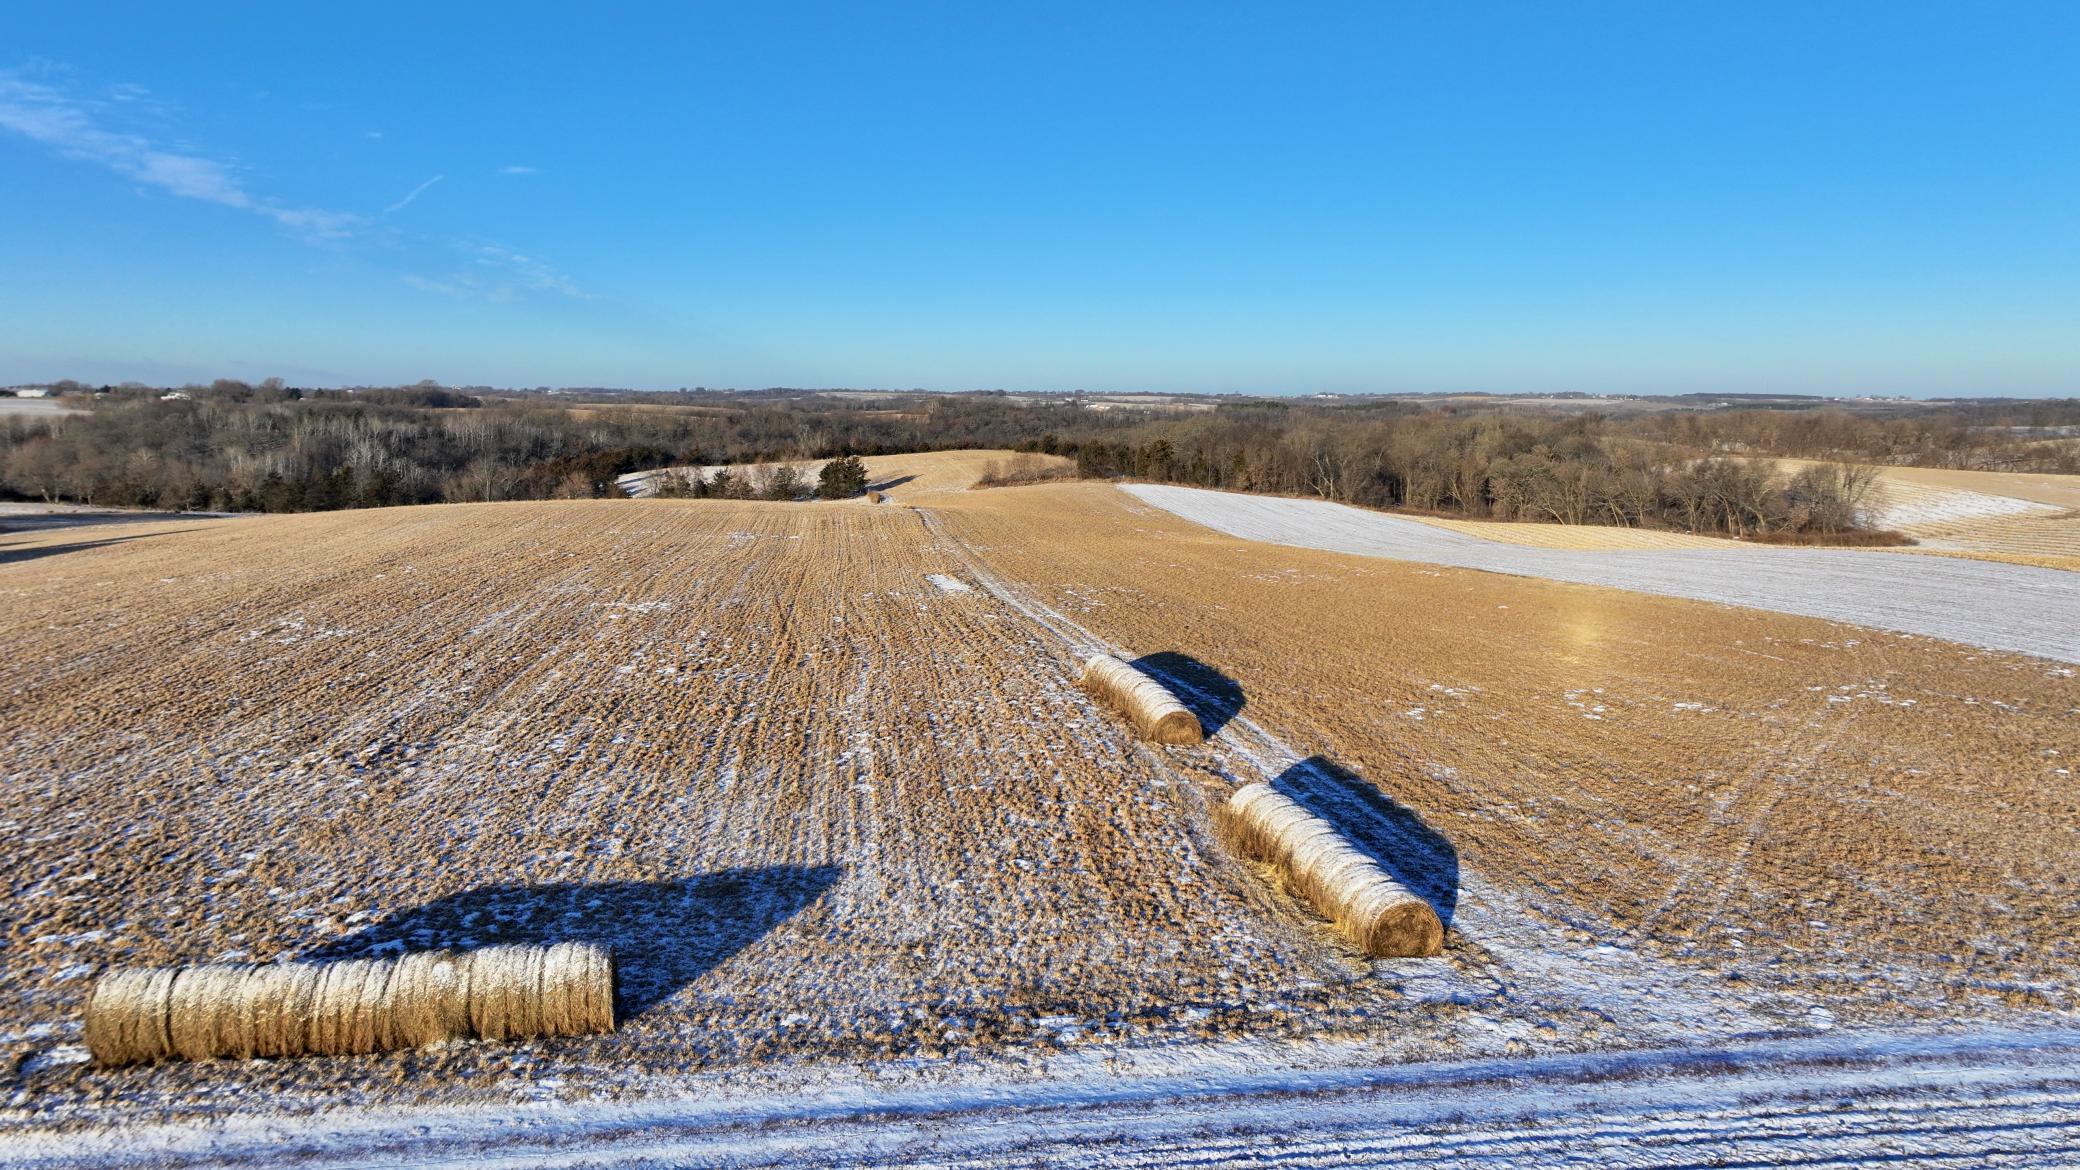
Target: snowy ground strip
1876, 1099
1997, 606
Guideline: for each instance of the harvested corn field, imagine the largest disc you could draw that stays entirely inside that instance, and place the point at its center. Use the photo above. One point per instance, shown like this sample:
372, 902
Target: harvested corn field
1811, 817
2027, 519
2060, 491
818, 797
1586, 536
899, 476
1971, 522
2014, 517
822, 780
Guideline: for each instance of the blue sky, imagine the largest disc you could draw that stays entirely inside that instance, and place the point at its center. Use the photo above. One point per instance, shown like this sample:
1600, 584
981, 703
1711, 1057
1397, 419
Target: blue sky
1831, 198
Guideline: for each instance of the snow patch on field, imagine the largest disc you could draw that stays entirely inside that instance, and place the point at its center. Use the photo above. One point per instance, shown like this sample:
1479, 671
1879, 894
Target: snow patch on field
1906, 507
1998, 606
947, 583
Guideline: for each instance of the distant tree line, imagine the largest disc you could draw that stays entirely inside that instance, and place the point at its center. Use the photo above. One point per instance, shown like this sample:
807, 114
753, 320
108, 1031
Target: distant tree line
837, 479
280, 450
1566, 470
270, 447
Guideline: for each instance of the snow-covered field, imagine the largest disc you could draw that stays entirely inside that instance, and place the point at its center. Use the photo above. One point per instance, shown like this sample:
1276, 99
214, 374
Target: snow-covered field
1910, 507
1997, 606
1988, 1098
38, 517
37, 407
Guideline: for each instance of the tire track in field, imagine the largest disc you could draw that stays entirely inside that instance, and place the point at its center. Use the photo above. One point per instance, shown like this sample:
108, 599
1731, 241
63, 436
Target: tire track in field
1541, 963
1775, 777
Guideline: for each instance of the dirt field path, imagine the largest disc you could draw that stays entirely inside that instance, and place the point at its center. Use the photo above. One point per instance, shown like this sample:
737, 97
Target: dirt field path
2018, 608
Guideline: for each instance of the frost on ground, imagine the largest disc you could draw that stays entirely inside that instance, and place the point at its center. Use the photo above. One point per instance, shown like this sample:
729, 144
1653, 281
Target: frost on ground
1912, 508
1882, 1100
852, 832
1736, 818
820, 808
2001, 607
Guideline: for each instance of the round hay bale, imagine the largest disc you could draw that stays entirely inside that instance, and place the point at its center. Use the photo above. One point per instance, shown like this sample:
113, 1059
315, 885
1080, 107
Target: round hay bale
202, 1014
363, 1014
128, 1016
1155, 712
1339, 880
349, 1007
499, 984
529, 996
343, 1015
577, 989
423, 1001
280, 1000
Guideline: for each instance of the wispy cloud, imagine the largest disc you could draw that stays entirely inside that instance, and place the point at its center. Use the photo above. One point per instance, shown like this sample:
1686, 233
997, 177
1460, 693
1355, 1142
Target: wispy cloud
123, 130
516, 170
450, 287
498, 273
528, 272
417, 191
77, 128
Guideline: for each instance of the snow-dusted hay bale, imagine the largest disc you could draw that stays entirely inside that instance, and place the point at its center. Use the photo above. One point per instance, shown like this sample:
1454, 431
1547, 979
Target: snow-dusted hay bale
424, 1001
1154, 711
203, 1013
564, 990
1335, 877
351, 1006
128, 1015
281, 999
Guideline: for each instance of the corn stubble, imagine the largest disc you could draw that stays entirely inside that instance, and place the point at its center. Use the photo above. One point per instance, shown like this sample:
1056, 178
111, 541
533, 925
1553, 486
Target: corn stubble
272, 735
816, 805
1791, 801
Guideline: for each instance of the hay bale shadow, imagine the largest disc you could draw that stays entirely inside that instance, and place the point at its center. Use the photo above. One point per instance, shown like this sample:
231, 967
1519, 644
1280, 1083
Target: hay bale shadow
886, 484
1206, 692
1391, 833
12, 556
664, 934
